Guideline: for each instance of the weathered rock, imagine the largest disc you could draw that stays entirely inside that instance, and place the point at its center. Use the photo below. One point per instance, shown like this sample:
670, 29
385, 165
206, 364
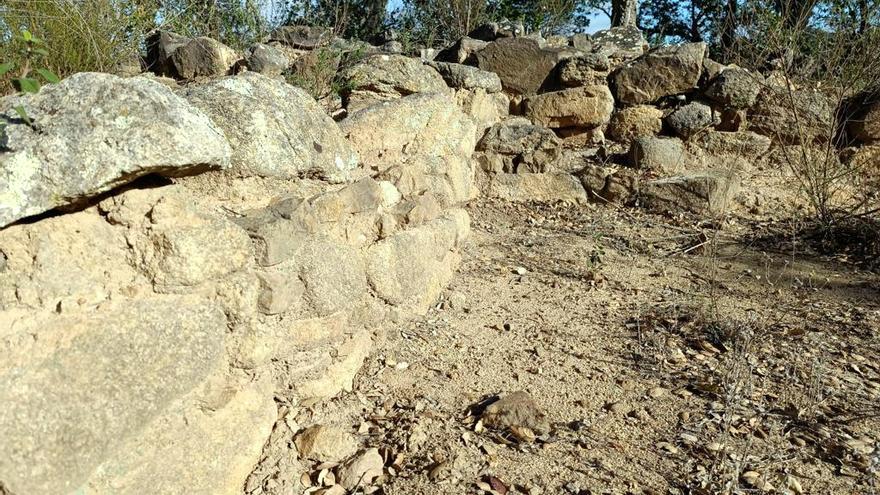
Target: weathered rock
665, 71
587, 106
735, 88
276, 130
420, 143
203, 57
666, 155
580, 137
164, 457
545, 187
793, 117
344, 361
622, 42
174, 253
460, 76
711, 69
517, 146
323, 443
609, 185
491, 31
394, 47
584, 70
97, 132
462, 51
581, 41
304, 37
486, 109
388, 77
34, 255
333, 275
517, 413
523, 64
632, 122
743, 143
127, 361
410, 269
865, 123
278, 293
709, 191
267, 60
691, 118
361, 470
160, 46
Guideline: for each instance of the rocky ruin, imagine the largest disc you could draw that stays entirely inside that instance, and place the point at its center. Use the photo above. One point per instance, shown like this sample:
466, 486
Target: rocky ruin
185, 254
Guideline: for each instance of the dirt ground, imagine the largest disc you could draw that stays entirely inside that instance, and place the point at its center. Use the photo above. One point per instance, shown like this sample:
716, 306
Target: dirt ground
667, 355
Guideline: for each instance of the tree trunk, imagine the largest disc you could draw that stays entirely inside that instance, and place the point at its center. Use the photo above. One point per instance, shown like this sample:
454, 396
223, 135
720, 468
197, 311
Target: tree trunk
728, 29
624, 13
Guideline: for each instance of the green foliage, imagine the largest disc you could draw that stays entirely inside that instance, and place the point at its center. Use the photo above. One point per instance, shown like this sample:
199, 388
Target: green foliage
545, 16
237, 23
31, 55
33, 51
356, 19
321, 72
103, 35
436, 23
86, 35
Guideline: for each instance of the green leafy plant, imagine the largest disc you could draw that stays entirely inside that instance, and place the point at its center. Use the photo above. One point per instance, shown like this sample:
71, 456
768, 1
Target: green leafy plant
29, 77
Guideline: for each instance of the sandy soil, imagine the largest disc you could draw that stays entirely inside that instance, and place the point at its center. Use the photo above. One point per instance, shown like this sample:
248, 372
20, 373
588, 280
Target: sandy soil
667, 355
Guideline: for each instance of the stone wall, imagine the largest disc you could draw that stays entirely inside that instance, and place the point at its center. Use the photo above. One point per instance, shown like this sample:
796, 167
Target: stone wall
179, 263
253, 248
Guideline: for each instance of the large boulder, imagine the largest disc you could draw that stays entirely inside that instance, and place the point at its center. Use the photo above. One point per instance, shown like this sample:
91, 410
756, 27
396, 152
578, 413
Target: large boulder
691, 118
462, 51
388, 77
735, 88
267, 60
631, 122
421, 143
704, 192
665, 71
586, 106
742, 143
523, 64
621, 43
460, 76
94, 132
160, 46
203, 57
276, 130
864, 125
660, 154
583, 70
536, 187
94, 379
791, 117
410, 268
517, 146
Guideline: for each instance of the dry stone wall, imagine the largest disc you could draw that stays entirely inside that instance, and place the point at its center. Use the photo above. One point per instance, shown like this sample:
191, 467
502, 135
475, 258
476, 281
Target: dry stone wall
167, 318
180, 265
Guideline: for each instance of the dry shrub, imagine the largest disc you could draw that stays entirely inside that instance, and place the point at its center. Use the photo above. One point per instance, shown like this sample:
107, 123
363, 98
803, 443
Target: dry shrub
807, 65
